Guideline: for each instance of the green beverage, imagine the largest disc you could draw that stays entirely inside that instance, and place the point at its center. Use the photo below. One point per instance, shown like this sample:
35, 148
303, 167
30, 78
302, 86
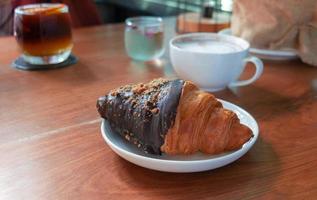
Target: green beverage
144, 38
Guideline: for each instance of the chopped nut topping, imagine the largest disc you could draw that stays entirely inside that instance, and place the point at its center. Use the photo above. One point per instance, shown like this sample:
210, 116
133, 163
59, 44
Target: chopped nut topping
127, 137
155, 110
138, 90
114, 93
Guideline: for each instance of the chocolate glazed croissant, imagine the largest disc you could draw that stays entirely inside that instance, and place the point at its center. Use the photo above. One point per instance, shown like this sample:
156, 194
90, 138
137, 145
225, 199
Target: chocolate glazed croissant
174, 117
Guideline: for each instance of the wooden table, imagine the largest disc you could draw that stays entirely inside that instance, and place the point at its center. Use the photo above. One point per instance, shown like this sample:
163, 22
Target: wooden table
51, 146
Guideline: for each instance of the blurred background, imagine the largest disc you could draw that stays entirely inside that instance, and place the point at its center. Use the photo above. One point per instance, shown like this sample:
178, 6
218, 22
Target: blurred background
96, 12
117, 10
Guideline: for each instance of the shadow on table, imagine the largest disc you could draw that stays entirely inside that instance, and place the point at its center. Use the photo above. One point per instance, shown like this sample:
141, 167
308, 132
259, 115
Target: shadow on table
265, 103
160, 67
253, 173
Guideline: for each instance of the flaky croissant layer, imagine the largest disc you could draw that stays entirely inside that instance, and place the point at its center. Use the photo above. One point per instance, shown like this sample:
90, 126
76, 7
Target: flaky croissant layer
202, 124
174, 117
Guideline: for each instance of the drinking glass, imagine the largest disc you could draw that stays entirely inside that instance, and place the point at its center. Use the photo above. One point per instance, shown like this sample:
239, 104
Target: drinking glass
144, 38
43, 32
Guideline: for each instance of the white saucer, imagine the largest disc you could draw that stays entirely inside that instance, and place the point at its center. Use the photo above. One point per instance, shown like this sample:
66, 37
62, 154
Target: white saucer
192, 163
287, 54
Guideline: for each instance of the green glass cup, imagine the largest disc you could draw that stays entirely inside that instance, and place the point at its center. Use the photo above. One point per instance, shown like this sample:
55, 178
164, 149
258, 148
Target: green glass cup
144, 38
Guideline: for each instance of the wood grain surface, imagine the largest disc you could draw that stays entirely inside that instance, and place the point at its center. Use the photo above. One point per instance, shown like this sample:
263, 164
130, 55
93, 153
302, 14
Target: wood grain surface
51, 146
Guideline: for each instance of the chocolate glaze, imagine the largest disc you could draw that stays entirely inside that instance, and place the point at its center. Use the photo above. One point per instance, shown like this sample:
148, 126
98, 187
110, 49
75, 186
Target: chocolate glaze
142, 113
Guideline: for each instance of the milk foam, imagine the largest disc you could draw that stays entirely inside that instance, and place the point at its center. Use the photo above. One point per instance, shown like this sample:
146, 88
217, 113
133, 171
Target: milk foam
210, 46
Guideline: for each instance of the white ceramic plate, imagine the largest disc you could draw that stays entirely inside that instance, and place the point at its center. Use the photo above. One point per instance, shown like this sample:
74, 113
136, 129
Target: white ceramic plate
192, 163
288, 54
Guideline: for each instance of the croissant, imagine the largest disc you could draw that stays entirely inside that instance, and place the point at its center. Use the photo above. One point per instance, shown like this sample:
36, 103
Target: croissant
173, 117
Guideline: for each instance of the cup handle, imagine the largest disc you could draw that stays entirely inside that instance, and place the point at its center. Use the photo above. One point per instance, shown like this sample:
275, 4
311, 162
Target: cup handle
258, 71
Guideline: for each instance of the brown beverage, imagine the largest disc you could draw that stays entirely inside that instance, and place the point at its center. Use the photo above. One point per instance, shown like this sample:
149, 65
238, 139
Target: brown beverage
43, 30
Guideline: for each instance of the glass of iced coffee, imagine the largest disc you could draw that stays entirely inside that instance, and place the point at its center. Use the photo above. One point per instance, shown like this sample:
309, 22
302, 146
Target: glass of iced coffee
43, 32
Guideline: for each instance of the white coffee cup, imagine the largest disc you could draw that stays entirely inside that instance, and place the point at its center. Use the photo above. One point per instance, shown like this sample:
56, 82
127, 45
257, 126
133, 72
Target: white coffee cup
212, 61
